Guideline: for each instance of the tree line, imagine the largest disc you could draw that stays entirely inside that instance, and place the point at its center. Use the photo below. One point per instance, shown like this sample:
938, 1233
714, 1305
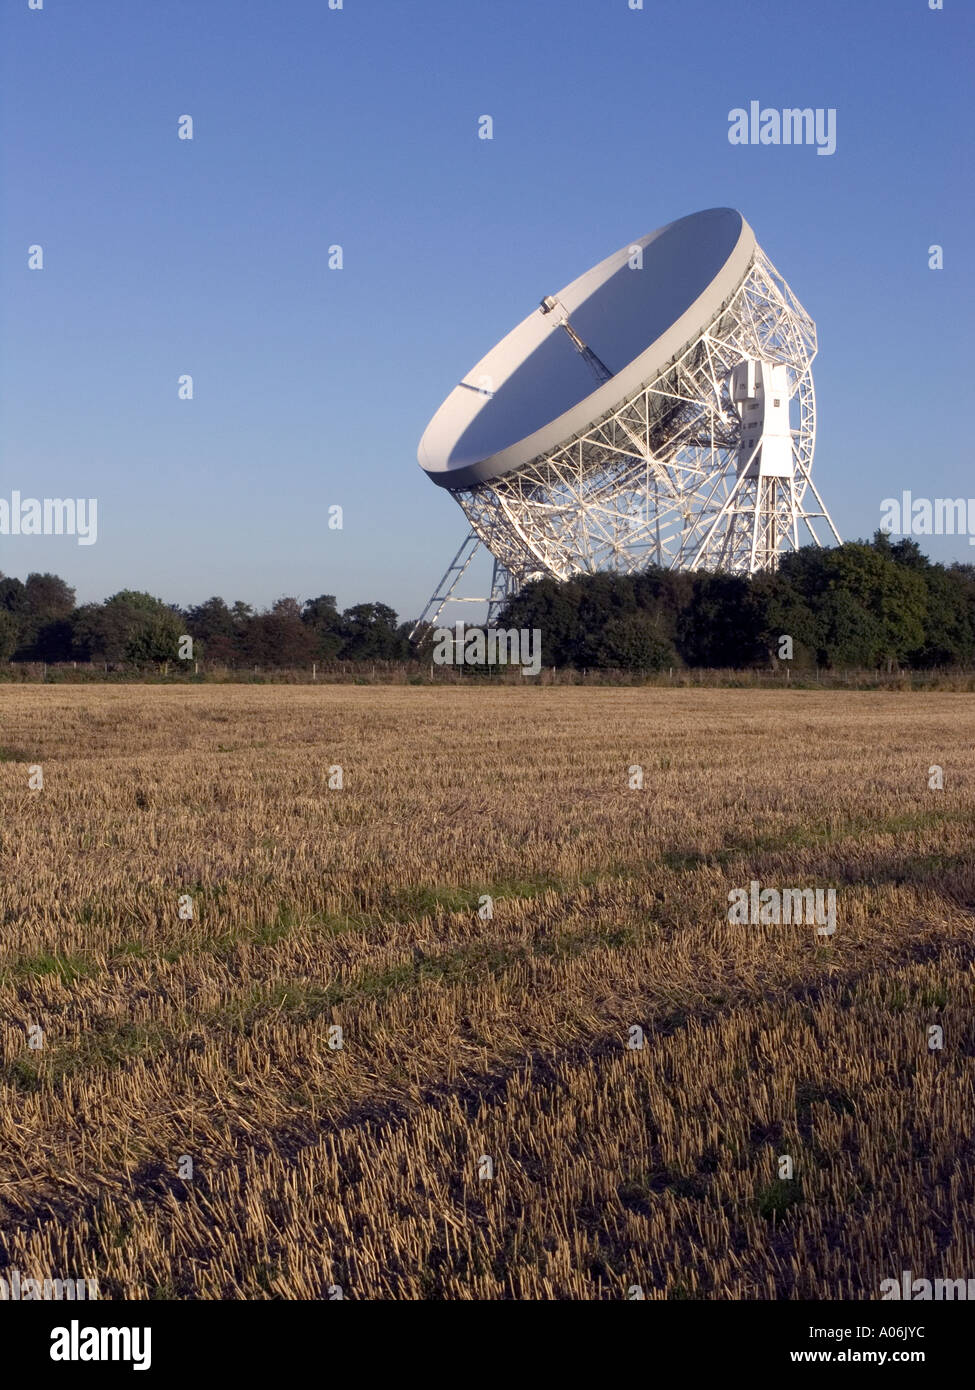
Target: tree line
862, 604
39, 621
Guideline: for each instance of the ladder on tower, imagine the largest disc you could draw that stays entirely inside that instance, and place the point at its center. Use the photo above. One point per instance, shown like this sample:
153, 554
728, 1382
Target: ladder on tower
502, 587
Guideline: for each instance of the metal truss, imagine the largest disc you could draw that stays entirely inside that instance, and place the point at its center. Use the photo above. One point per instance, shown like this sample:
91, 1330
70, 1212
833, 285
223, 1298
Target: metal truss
660, 479
502, 587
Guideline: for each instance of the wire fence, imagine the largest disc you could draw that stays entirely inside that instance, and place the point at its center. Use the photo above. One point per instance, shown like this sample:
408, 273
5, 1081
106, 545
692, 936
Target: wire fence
782, 676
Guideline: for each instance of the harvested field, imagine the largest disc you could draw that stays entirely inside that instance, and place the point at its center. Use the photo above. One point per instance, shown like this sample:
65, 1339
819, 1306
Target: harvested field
466, 1035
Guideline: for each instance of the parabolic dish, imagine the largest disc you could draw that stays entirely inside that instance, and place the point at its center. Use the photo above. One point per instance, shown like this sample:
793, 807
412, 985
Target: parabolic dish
536, 389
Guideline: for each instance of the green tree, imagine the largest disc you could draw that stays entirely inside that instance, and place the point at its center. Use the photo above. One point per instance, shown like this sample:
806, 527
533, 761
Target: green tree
781, 610
370, 634
211, 620
9, 634
631, 642
13, 601
949, 624
553, 609
48, 603
893, 596
720, 626
852, 634
278, 637
323, 620
217, 631
129, 626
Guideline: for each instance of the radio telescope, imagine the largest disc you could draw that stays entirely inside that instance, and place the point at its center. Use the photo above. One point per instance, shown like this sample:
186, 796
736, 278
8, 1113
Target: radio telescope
658, 410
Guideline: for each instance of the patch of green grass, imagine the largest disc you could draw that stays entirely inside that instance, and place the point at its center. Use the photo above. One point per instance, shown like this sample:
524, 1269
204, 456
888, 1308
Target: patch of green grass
263, 1274
778, 1198
422, 900
132, 950
300, 1096
303, 1002
678, 1290
298, 1002
67, 968
341, 924
896, 998
575, 943
121, 1233
22, 1075
684, 861
219, 945
99, 1048
110, 1047
95, 914
16, 755
270, 933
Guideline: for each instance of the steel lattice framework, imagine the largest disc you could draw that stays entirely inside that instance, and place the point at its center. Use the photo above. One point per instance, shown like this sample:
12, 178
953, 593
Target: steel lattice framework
662, 479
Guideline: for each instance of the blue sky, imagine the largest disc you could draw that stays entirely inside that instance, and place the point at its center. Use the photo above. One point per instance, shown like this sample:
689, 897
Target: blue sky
358, 127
